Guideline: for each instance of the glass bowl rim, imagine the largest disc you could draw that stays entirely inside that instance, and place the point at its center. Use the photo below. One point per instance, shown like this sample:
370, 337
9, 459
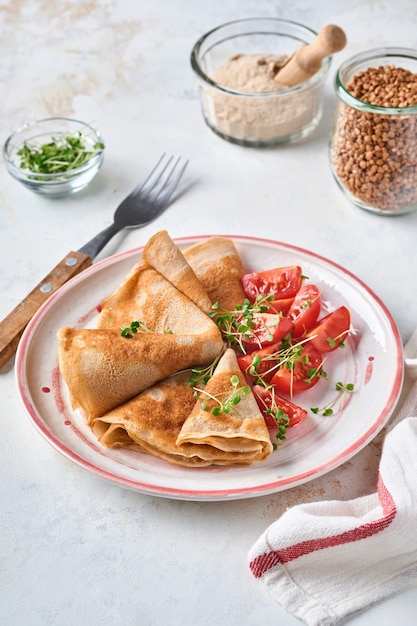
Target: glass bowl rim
347, 98
25, 174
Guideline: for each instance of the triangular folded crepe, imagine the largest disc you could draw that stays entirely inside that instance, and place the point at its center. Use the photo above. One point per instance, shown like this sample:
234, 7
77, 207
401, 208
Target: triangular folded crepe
217, 264
157, 420
146, 296
241, 433
163, 255
135, 390
103, 369
151, 421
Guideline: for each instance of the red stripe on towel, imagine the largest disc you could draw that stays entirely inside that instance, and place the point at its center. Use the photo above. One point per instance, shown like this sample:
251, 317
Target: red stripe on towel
264, 562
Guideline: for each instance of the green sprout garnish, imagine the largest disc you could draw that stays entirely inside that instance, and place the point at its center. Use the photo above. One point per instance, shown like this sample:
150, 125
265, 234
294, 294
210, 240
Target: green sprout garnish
279, 416
286, 356
238, 326
200, 377
138, 327
231, 400
341, 389
57, 156
131, 330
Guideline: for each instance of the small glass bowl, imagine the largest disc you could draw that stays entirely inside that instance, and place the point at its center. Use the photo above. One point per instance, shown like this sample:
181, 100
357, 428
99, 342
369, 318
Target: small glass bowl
264, 118
41, 132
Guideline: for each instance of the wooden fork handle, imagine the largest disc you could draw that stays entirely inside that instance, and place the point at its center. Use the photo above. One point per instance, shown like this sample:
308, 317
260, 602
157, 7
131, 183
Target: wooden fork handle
12, 327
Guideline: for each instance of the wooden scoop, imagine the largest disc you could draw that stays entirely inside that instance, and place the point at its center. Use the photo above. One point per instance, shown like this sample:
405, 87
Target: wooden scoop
306, 61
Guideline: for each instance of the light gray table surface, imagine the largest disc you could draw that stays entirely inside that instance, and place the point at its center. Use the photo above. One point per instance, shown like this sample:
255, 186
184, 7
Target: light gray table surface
74, 548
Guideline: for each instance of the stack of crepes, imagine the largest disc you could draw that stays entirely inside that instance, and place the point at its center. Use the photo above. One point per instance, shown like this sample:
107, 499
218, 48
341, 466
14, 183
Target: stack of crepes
135, 392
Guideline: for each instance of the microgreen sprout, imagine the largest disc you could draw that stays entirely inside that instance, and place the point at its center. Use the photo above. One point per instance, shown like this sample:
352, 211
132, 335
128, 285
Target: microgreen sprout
331, 342
231, 400
286, 356
342, 389
137, 327
336, 342
200, 377
239, 325
58, 155
282, 420
131, 330
279, 416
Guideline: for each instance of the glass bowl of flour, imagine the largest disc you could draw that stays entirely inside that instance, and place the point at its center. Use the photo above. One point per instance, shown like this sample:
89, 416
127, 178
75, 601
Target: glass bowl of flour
236, 64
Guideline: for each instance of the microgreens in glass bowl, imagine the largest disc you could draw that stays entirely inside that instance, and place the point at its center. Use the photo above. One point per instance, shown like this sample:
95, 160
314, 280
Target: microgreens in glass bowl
54, 156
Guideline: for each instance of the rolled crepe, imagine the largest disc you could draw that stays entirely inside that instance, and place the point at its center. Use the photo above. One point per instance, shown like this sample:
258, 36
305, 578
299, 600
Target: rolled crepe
218, 266
103, 369
148, 297
240, 434
162, 254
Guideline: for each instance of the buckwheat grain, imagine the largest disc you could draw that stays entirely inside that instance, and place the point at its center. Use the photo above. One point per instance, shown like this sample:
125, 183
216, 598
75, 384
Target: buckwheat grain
374, 155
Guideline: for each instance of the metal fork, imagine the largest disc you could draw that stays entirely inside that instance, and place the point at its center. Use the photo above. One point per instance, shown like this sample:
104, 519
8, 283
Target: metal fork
143, 205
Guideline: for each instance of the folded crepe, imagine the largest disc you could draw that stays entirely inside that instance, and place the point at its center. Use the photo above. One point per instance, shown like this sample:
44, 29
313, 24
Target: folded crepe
218, 266
151, 421
240, 436
163, 255
103, 369
157, 420
148, 297
134, 391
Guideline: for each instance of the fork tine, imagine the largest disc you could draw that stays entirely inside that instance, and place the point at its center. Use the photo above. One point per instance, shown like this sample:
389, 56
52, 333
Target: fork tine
158, 177
166, 180
171, 182
139, 187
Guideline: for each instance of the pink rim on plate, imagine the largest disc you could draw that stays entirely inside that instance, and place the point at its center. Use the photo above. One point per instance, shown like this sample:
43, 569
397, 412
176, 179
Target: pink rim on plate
372, 360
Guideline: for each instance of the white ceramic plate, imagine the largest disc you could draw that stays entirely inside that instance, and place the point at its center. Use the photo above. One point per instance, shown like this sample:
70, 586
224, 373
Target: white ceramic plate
372, 360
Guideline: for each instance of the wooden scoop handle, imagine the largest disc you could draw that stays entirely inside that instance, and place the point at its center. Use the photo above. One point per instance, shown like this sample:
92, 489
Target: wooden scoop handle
12, 327
306, 61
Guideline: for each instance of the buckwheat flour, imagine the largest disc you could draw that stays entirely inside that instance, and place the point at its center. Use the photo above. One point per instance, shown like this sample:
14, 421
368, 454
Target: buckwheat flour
253, 73
268, 117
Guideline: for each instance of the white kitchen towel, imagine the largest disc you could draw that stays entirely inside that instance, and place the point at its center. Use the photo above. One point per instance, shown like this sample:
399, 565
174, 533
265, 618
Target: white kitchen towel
324, 560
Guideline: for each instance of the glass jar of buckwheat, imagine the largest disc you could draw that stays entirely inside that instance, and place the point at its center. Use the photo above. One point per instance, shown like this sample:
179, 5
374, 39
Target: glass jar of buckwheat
373, 144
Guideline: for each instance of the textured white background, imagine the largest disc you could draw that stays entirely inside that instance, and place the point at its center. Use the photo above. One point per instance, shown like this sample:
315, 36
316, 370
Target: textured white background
75, 550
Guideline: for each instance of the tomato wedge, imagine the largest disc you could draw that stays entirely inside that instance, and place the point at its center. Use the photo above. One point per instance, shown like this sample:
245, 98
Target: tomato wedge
305, 309
300, 372
269, 401
282, 282
263, 365
279, 306
265, 329
331, 330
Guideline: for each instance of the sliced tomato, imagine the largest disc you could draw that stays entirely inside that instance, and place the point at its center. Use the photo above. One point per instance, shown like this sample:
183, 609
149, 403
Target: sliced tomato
265, 329
305, 309
263, 365
300, 373
282, 282
331, 330
269, 402
279, 306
